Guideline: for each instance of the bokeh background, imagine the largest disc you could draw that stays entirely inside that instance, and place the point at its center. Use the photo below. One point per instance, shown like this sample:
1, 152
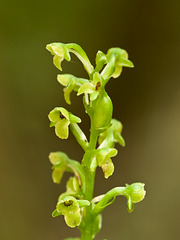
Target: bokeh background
146, 99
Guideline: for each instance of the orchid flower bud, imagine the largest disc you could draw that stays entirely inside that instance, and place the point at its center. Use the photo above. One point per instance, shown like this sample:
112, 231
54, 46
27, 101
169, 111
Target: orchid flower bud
134, 193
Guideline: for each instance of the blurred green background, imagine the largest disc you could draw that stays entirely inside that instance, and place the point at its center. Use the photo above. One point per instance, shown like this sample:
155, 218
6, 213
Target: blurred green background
146, 99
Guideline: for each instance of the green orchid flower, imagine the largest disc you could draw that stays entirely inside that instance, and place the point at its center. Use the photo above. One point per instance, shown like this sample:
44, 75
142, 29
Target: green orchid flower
134, 193
92, 87
59, 161
61, 119
112, 135
60, 52
70, 207
116, 59
71, 83
103, 157
121, 60
62, 163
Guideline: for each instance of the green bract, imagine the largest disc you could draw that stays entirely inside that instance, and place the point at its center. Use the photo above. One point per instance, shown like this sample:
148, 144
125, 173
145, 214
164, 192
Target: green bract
77, 203
101, 112
61, 119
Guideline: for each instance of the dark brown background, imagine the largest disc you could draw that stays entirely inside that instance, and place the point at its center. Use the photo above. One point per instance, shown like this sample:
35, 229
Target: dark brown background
146, 99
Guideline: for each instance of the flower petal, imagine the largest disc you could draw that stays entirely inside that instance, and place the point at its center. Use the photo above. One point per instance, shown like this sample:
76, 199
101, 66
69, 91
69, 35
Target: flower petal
58, 157
73, 219
54, 115
64, 79
61, 128
57, 175
86, 88
67, 93
57, 62
57, 114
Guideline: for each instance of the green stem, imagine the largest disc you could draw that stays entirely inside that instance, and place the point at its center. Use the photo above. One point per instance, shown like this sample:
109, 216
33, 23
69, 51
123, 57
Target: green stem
86, 233
89, 174
93, 139
87, 229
